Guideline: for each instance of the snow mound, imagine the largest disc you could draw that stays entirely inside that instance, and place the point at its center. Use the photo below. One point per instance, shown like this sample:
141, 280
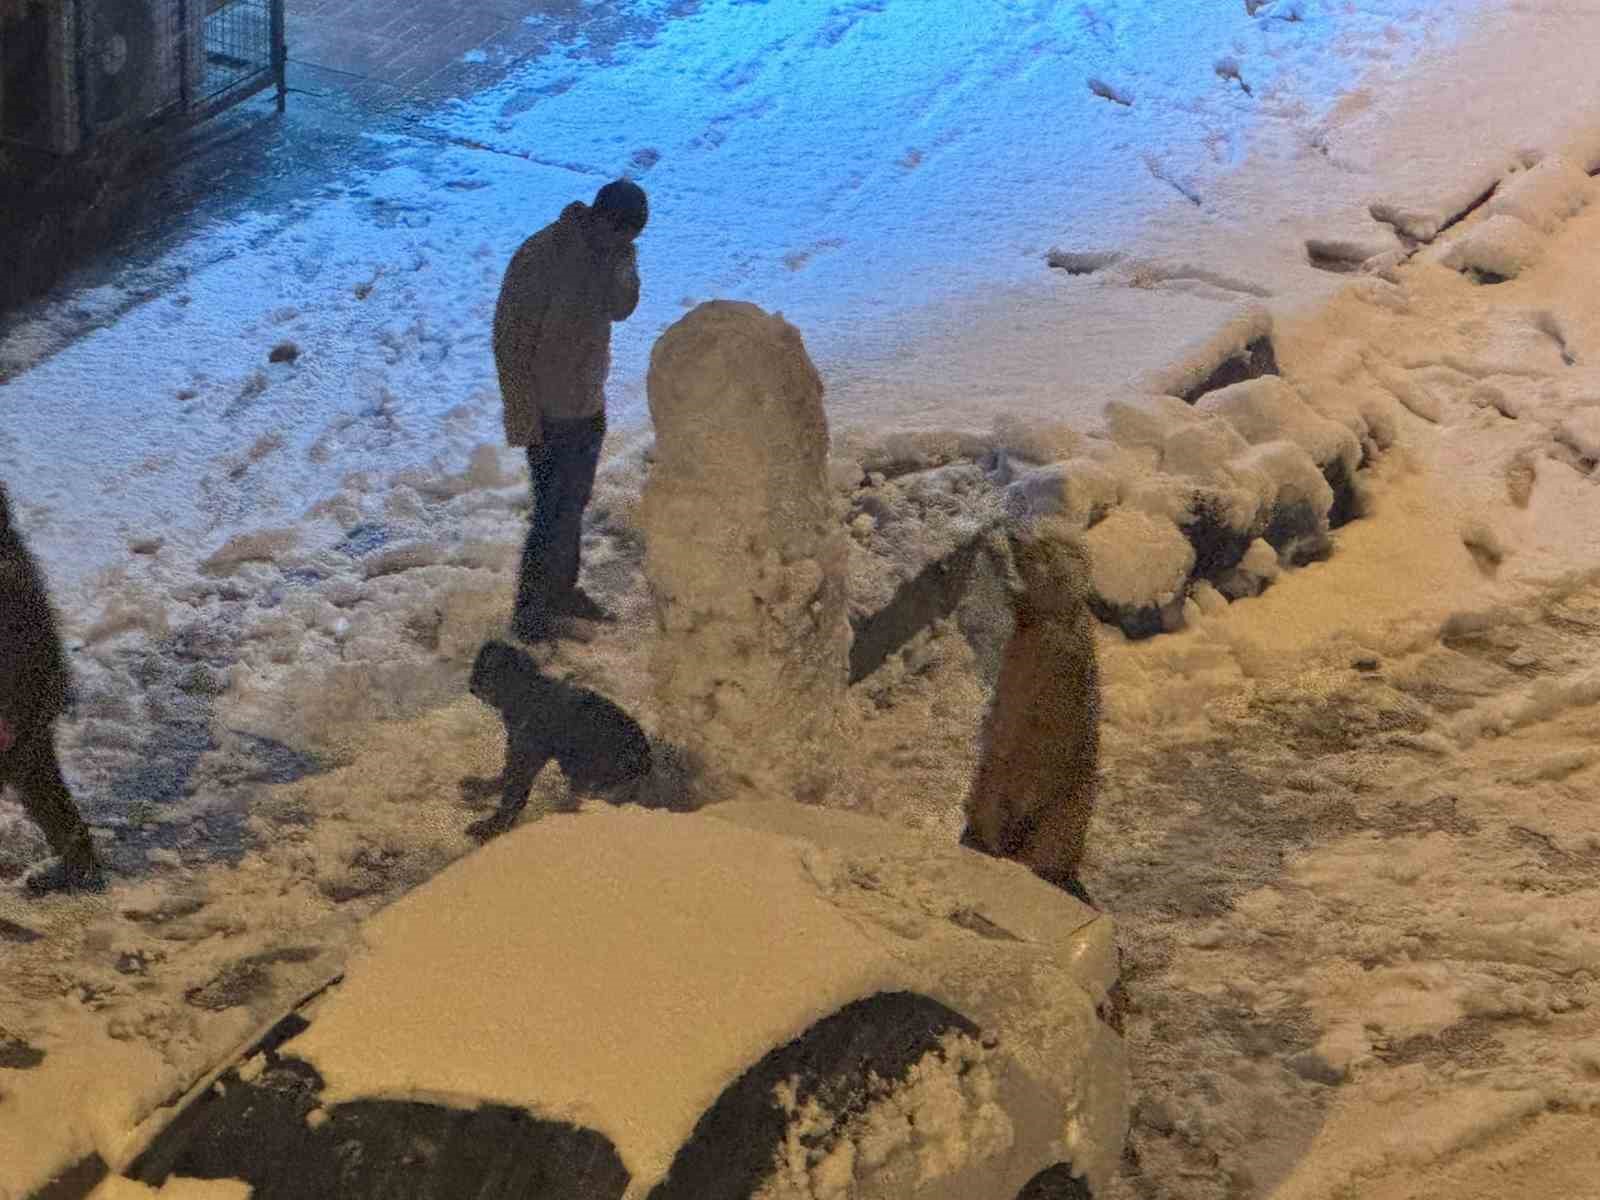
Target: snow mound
1368, 413
1298, 495
1545, 195
1138, 561
1500, 248
1080, 491
1145, 421
1201, 449
1268, 409
744, 554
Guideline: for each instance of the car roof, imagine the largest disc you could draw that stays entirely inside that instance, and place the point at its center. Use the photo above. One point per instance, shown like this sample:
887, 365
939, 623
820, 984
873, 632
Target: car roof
618, 968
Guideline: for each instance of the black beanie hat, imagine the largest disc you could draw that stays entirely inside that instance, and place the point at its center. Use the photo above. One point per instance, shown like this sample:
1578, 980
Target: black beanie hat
624, 202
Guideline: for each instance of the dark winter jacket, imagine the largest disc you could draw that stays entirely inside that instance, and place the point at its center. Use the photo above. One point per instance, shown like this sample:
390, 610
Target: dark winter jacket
34, 680
552, 324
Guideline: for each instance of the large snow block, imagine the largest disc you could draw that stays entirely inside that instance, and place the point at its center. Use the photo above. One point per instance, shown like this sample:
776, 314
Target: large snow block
1079, 490
1298, 498
1139, 571
1268, 409
745, 560
1146, 421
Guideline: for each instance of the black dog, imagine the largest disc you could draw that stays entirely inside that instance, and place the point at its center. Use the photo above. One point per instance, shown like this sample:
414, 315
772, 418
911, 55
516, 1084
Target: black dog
598, 746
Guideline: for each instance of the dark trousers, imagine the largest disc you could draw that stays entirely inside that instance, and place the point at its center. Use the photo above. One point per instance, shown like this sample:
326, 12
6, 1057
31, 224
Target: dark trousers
561, 469
30, 766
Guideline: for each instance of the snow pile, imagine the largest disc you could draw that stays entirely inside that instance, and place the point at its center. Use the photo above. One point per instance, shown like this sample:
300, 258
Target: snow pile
1545, 195
1523, 212
745, 559
942, 1119
900, 525
1177, 495
1080, 490
1500, 248
1138, 562
1269, 409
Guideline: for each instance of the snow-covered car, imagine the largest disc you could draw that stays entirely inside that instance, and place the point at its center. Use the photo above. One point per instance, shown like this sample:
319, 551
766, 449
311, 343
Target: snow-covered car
756, 1000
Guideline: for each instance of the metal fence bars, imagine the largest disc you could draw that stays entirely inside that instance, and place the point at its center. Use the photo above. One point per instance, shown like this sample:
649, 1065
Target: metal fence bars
75, 71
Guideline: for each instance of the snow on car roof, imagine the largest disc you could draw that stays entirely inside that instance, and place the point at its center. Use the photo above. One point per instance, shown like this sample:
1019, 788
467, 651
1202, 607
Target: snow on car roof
617, 969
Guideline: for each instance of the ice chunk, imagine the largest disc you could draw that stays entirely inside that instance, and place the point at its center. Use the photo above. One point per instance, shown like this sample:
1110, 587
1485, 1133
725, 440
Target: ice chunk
1293, 475
1260, 560
1034, 441
1367, 414
1199, 449
408, 556
1418, 224
1206, 598
1162, 496
1300, 498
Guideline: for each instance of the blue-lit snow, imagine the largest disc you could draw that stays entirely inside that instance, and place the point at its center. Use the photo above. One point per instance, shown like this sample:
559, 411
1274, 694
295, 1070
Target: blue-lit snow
849, 165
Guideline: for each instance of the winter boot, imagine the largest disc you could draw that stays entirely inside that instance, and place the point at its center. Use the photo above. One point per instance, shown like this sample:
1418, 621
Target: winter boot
76, 871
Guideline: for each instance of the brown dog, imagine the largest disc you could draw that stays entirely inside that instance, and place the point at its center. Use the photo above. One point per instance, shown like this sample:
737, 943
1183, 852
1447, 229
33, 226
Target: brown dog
1033, 793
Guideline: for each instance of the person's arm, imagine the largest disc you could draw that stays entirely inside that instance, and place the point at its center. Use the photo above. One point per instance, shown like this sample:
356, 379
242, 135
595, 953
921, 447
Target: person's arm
624, 291
523, 302
520, 313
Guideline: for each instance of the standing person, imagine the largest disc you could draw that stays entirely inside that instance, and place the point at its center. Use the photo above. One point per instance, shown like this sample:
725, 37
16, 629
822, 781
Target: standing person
34, 684
552, 349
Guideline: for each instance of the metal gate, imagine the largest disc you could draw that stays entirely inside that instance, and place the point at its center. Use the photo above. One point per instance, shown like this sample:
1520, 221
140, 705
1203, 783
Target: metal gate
244, 52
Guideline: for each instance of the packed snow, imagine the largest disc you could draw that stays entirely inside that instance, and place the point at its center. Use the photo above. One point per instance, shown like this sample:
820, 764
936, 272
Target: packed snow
744, 554
1345, 828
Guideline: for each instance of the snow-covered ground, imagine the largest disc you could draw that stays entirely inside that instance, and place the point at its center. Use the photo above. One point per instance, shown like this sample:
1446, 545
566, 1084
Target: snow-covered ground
272, 500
